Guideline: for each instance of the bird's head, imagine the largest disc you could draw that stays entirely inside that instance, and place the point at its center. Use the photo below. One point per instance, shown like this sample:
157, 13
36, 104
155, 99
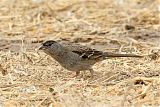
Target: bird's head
49, 45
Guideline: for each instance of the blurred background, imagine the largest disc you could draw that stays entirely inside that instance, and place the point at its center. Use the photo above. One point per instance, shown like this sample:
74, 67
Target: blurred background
88, 21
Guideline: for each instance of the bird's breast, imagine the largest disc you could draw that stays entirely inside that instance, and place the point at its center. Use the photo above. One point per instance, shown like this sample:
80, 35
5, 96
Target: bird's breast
68, 60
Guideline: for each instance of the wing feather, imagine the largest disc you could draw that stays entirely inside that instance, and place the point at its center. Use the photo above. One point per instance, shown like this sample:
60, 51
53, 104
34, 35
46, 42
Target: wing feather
83, 51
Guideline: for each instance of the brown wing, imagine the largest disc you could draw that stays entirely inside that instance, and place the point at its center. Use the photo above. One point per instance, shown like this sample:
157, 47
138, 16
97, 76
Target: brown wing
90, 54
83, 51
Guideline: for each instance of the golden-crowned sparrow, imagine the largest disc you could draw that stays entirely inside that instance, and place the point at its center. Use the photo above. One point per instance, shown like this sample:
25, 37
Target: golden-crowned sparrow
76, 57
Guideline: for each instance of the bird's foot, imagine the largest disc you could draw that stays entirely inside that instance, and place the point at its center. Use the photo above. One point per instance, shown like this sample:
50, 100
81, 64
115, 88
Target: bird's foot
77, 75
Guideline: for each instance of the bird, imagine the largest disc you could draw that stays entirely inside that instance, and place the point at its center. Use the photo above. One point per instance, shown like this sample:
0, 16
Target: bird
77, 57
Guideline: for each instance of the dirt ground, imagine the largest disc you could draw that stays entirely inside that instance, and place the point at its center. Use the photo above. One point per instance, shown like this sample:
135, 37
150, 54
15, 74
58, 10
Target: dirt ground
29, 79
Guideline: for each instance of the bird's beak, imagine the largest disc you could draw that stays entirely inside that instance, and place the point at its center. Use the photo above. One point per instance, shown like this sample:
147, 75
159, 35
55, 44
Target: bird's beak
41, 47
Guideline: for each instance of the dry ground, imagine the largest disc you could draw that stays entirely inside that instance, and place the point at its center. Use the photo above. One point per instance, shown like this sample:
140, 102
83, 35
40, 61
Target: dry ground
127, 26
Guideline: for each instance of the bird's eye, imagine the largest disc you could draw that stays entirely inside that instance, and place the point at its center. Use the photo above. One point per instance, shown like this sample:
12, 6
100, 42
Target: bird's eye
48, 43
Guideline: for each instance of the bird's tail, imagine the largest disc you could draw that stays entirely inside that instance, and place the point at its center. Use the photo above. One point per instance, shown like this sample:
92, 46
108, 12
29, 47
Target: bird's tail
110, 54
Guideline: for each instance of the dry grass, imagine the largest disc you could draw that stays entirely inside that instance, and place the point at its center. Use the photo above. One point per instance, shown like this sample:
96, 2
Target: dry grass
29, 79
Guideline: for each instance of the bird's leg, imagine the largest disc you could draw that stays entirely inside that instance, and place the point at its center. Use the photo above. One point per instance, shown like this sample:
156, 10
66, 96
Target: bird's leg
83, 75
77, 73
91, 71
